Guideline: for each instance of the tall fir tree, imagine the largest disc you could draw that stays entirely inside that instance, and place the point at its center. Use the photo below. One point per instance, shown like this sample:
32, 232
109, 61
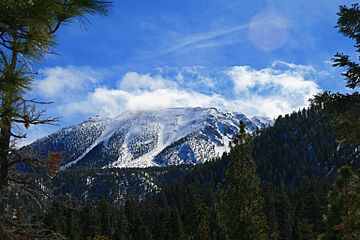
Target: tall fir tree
175, 226
343, 216
241, 204
203, 223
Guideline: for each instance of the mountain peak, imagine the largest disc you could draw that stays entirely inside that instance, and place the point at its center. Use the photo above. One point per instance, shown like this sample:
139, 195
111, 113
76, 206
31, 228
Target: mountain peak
161, 137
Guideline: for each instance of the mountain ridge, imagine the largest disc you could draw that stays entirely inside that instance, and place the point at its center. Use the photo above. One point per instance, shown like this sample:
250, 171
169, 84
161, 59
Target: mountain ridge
163, 137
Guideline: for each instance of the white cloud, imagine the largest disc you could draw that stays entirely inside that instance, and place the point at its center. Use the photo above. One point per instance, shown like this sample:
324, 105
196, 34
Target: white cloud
102, 100
292, 80
280, 90
58, 81
165, 98
135, 81
271, 91
112, 102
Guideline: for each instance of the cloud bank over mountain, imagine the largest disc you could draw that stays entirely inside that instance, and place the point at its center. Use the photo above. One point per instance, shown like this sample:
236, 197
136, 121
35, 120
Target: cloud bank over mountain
278, 89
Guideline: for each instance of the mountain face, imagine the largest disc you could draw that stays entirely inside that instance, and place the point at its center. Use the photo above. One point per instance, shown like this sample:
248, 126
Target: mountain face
149, 138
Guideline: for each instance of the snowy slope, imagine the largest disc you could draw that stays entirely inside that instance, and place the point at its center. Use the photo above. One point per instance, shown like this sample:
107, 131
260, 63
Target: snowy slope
149, 138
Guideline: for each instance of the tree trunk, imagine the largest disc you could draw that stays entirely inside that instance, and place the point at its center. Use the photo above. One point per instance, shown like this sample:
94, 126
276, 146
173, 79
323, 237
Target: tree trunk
4, 151
5, 127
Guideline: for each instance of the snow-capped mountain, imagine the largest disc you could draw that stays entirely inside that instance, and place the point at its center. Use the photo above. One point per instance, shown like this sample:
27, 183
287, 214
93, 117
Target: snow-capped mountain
148, 138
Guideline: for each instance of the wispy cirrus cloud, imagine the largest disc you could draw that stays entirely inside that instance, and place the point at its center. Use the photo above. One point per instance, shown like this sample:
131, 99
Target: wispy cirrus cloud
188, 42
267, 31
197, 40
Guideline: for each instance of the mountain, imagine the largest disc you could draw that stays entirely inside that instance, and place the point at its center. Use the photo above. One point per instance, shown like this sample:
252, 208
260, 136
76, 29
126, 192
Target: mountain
148, 138
297, 159
297, 148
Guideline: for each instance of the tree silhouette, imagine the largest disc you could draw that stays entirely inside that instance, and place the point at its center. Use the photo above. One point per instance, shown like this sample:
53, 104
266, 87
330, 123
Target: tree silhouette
344, 109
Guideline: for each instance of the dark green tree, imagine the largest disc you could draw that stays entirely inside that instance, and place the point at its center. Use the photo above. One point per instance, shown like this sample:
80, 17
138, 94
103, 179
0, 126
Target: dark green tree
285, 218
56, 220
175, 226
343, 216
89, 220
122, 227
241, 204
106, 218
349, 25
345, 108
73, 229
203, 223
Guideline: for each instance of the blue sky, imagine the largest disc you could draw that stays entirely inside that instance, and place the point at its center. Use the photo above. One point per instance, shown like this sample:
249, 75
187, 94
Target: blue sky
258, 57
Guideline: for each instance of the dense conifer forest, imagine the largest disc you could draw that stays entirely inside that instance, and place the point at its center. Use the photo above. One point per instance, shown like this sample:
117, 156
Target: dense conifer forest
296, 173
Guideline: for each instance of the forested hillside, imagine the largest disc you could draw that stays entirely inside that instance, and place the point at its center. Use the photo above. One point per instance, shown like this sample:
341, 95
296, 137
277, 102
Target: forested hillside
296, 160
300, 145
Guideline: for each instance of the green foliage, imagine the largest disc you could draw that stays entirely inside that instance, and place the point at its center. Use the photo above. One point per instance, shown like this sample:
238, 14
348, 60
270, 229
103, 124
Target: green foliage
343, 216
344, 109
241, 204
296, 159
344, 112
28, 27
27, 35
299, 145
175, 226
343, 213
349, 25
100, 237
203, 223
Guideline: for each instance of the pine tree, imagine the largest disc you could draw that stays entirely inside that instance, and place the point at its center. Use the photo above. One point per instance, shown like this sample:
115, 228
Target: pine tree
123, 226
241, 204
349, 25
175, 226
72, 225
56, 220
106, 218
303, 230
27, 34
203, 223
285, 218
345, 108
343, 216
89, 219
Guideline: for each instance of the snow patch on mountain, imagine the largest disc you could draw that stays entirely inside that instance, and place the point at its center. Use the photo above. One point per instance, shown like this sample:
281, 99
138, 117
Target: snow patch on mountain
147, 138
